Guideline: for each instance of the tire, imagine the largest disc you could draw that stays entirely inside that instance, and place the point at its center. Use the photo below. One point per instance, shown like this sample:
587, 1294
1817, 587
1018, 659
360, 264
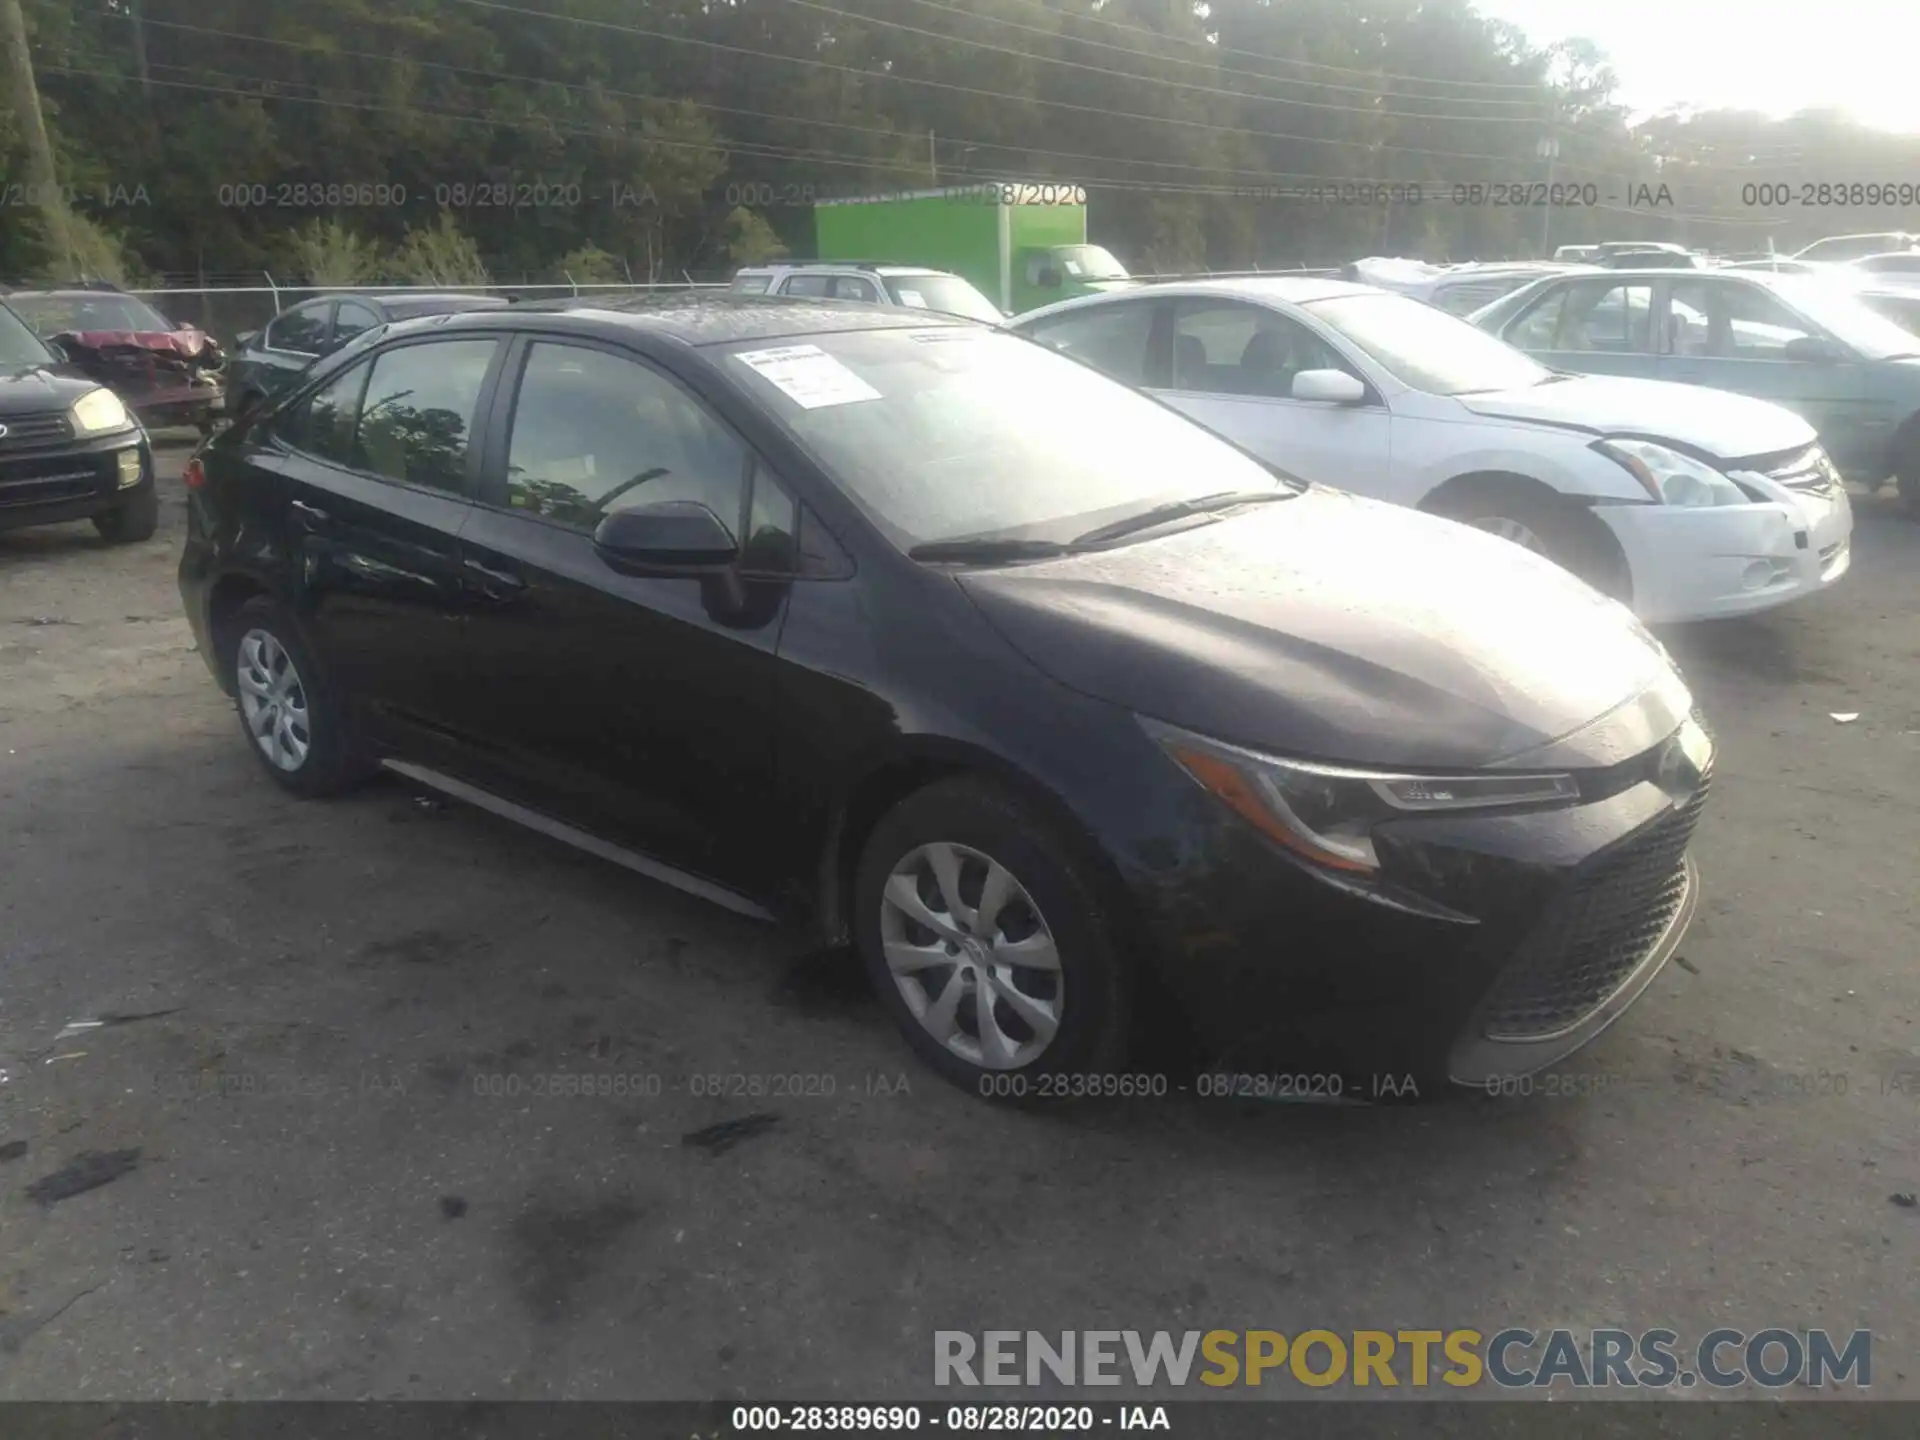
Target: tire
1910, 479
271, 665
1055, 894
132, 520
1548, 527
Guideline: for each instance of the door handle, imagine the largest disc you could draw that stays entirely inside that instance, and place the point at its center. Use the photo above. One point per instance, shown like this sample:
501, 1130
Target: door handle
496, 580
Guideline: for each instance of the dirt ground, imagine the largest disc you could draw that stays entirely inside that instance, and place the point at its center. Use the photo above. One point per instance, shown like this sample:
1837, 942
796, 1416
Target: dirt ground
324, 1026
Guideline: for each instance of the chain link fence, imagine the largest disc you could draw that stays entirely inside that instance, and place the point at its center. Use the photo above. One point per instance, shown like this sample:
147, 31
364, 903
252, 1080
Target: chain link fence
228, 312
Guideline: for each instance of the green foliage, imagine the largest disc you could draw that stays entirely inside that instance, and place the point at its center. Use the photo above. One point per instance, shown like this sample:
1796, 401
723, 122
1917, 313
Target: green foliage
327, 254
98, 254
750, 240
439, 254
590, 265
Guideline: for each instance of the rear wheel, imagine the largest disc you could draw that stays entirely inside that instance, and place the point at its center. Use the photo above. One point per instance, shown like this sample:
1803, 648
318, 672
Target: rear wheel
982, 929
290, 716
132, 520
1546, 525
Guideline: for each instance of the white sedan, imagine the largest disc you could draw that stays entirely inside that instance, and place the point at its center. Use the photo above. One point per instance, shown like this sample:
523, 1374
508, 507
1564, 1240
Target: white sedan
1688, 504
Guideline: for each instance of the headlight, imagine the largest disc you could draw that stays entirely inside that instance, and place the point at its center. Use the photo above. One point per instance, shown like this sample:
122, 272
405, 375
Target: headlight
97, 411
1325, 813
1670, 477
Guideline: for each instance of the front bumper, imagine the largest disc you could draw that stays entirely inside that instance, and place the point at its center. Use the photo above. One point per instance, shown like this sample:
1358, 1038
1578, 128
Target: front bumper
179, 405
1543, 929
74, 480
1716, 562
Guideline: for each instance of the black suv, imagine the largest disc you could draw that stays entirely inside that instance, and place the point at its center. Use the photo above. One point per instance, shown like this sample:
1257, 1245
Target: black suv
69, 448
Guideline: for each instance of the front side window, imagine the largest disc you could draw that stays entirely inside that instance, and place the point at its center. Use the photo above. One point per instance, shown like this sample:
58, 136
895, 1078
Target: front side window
1732, 322
1112, 338
416, 422
594, 432
302, 330
1239, 349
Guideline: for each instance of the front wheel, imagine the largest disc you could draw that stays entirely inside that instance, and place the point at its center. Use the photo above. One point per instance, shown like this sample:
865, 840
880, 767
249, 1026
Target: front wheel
132, 520
983, 930
1548, 527
291, 717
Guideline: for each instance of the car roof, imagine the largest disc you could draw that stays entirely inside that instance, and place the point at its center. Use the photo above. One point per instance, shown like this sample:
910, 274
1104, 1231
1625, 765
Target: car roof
716, 317
869, 267
1293, 289
408, 305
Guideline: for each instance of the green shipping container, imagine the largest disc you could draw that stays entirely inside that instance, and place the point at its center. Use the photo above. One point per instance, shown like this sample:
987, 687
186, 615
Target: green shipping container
1022, 245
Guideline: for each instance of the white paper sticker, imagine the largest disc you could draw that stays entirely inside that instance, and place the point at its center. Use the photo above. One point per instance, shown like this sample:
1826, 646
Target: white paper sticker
808, 376
912, 297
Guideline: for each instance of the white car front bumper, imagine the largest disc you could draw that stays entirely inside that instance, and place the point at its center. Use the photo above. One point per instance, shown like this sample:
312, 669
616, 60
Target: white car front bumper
1714, 562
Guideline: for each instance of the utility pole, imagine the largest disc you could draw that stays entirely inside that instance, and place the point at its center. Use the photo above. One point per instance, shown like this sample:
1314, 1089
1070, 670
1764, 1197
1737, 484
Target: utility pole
42, 179
933, 163
1549, 150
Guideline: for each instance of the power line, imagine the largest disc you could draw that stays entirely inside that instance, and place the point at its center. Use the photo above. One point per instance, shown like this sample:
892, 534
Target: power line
1211, 64
1532, 120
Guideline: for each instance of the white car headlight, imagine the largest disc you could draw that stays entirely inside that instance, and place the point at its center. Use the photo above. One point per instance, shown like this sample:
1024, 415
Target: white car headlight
1670, 477
98, 411
1326, 814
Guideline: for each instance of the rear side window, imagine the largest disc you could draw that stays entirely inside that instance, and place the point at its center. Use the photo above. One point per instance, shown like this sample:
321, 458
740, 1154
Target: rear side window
302, 330
751, 284
417, 416
815, 286
1112, 338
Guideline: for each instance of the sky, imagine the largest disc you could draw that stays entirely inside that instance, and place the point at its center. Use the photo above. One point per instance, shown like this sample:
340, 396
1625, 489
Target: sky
1855, 54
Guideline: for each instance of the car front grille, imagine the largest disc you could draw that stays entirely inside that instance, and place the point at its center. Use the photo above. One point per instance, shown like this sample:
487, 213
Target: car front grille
1596, 934
1810, 473
39, 480
26, 432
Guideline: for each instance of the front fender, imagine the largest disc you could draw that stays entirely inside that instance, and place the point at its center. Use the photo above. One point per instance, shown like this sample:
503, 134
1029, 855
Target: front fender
1561, 460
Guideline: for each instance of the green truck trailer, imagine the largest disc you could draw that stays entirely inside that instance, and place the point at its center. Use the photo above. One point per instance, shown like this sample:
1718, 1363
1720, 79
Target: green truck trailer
1023, 245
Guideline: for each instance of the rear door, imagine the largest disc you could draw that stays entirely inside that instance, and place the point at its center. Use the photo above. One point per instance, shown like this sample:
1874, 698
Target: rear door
636, 707
377, 469
1599, 326
1232, 368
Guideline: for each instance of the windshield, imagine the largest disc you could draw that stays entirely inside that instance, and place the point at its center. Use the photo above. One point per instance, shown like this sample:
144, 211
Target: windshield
78, 314
1089, 262
1428, 348
956, 433
1903, 310
948, 294
1842, 312
19, 346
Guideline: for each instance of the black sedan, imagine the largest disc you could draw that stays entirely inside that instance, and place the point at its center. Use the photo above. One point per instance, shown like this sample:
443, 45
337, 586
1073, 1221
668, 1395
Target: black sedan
265, 362
1064, 712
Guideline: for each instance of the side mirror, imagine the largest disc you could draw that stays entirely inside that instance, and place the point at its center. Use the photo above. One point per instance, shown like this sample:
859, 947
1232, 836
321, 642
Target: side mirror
1812, 350
667, 538
245, 338
1333, 387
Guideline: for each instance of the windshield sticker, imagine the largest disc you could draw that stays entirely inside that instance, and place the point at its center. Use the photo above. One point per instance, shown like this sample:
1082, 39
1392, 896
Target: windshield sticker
913, 298
808, 376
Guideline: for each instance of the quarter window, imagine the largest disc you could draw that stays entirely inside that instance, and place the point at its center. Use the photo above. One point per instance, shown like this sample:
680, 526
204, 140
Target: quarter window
323, 424
416, 422
593, 432
351, 319
1110, 337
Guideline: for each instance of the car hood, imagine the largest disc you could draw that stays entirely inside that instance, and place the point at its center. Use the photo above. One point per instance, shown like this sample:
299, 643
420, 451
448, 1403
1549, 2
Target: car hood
1335, 628
189, 344
36, 389
1714, 422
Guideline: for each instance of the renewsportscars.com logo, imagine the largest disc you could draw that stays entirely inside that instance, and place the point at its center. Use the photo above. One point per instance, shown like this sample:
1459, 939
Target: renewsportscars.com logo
1511, 1359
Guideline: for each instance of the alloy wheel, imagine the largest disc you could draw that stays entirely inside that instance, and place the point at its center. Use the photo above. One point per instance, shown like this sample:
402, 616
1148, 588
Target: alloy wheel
972, 956
1508, 528
273, 700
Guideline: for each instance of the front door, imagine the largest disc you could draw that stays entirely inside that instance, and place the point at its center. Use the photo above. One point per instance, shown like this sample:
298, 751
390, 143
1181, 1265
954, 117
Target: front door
377, 471
639, 708
1232, 367
1735, 336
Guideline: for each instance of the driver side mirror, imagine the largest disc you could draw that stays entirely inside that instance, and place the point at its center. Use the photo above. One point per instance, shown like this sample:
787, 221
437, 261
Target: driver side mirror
1812, 350
1333, 387
667, 538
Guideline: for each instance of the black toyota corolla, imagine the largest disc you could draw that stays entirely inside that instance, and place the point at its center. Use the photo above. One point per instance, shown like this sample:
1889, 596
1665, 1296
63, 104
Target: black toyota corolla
1070, 717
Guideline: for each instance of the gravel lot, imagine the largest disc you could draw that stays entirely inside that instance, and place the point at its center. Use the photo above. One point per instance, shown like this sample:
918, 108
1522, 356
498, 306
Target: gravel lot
319, 1008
